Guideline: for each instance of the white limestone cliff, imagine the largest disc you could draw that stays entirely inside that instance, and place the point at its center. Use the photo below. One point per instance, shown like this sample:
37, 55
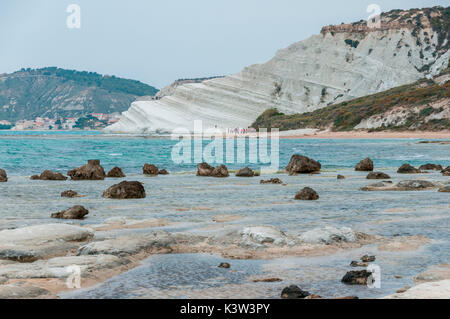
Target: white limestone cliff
341, 63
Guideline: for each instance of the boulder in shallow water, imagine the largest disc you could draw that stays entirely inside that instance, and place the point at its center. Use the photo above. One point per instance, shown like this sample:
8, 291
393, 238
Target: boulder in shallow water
408, 169
328, 235
224, 265
294, 292
76, 212
125, 190
431, 167
446, 172
340, 177
116, 172
366, 165
300, 164
163, 172
91, 171
356, 277
220, 171
410, 185
307, 193
70, 194
3, 176
271, 181
49, 176
368, 258
245, 172
378, 175
358, 264
204, 169
150, 169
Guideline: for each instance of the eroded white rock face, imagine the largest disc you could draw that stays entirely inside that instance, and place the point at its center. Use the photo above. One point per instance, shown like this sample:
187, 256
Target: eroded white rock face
29, 243
321, 70
265, 235
328, 235
429, 290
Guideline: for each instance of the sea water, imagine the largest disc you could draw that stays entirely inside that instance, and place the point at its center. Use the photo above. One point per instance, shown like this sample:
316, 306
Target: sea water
190, 202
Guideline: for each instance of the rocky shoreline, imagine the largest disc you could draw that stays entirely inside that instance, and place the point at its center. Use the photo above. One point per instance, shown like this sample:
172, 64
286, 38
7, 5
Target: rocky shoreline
34, 259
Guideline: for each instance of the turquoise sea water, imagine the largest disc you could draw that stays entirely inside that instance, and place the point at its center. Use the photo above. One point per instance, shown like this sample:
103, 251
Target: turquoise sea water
30, 152
189, 204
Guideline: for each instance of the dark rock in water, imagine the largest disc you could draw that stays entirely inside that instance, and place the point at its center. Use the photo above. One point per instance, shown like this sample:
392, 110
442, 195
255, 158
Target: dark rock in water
245, 172
125, 190
91, 171
408, 169
150, 169
347, 298
49, 176
368, 258
272, 181
220, 171
3, 176
378, 175
445, 189
267, 280
307, 194
163, 172
340, 177
431, 167
204, 169
446, 172
358, 264
366, 165
294, 292
224, 265
76, 212
313, 296
70, 194
302, 165
116, 172
356, 277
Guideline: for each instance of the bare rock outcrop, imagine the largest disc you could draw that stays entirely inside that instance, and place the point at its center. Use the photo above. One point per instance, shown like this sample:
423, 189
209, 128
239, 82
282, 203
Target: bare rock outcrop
204, 169
300, 164
408, 169
91, 171
150, 169
116, 172
3, 176
307, 193
366, 165
245, 172
48, 175
125, 190
76, 212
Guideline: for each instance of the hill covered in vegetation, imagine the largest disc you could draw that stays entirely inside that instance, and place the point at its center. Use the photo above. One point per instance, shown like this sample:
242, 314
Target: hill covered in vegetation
423, 105
52, 92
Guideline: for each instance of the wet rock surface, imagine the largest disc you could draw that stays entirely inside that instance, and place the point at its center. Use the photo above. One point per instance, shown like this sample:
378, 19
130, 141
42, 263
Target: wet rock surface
70, 194
340, 177
378, 175
294, 292
366, 165
204, 169
125, 190
76, 212
408, 169
163, 172
49, 176
328, 235
446, 171
91, 171
272, 181
410, 185
356, 277
300, 164
431, 167
220, 171
150, 169
245, 172
224, 265
3, 176
115, 172
307, 193
445, 189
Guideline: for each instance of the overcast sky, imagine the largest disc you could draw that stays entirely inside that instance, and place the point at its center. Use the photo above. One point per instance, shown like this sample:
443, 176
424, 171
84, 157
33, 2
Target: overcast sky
159, 41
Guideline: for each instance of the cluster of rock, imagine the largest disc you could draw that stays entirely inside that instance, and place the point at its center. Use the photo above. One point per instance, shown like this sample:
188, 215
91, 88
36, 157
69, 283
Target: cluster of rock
206, 170
409, 185
49, 176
